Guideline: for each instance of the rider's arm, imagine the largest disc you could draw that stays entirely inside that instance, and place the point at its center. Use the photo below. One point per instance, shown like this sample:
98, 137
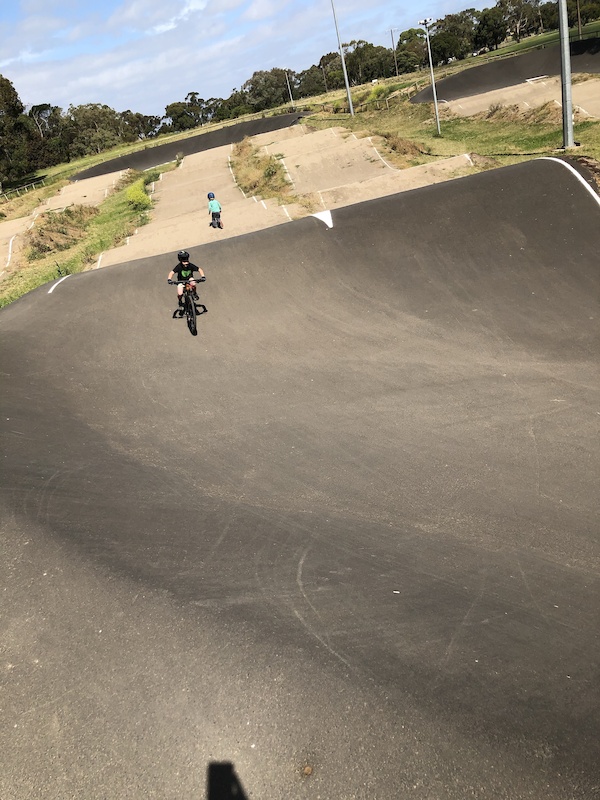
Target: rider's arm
171, 275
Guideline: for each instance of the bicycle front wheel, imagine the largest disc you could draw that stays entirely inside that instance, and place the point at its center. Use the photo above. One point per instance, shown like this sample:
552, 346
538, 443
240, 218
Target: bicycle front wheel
190, 313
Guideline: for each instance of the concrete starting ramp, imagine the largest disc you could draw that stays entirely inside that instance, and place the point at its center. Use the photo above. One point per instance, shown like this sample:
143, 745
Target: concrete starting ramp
344, 541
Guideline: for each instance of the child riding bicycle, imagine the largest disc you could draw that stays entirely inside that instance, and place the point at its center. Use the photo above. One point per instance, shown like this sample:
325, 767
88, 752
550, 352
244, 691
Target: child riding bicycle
184, 271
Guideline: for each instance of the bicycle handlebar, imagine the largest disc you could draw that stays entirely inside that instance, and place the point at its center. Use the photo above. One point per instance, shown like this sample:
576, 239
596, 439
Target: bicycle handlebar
174, 283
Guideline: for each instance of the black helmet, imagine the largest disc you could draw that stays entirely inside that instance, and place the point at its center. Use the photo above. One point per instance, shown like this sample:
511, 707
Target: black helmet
211, 195
183, 255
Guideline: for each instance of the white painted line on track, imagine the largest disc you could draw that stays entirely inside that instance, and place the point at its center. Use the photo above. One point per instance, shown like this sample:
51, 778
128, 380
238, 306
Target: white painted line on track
287, 172
579, 177
324, 216
469, 159
10, 246
57, 282
380, 156
233, 175
287, 213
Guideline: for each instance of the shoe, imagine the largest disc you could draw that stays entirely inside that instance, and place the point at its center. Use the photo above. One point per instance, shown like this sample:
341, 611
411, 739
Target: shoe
196, 296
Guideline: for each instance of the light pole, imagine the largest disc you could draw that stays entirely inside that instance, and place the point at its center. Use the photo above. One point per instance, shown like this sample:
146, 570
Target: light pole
579, 30
565, 53
351, 107
290, 90
394, 49
426, 23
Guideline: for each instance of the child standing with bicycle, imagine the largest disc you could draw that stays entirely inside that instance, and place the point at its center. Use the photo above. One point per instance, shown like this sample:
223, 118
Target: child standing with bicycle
214, 209
185, 271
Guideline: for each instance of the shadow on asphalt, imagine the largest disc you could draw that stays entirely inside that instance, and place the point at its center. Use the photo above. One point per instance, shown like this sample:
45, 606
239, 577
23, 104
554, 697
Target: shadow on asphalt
223, 783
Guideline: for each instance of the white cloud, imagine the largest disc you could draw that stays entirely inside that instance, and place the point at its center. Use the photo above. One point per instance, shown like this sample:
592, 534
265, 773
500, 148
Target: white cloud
263, 9
145, 54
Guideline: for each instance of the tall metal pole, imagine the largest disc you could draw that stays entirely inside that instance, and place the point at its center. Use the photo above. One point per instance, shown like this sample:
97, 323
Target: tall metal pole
579, 28
290, 90
394, 51
351, 107
565, 57
426, 23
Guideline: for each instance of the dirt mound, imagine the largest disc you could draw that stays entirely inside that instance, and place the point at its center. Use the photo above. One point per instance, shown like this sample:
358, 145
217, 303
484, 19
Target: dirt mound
592, 166
484, 162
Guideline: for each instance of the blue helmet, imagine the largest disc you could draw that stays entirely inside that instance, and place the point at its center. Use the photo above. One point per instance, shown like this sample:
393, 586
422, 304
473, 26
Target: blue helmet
211, 195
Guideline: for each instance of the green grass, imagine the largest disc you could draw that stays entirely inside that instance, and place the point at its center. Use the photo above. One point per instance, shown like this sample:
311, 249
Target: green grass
544, 40
500, 136
116, 219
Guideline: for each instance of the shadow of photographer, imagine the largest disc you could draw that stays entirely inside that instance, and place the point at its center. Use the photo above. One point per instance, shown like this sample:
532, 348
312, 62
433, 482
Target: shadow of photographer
222, 782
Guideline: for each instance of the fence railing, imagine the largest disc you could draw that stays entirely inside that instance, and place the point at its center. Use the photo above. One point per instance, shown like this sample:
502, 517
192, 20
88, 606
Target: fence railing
21, 189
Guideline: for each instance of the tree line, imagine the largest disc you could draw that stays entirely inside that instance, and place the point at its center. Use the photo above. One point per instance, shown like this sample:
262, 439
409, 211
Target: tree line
44, 135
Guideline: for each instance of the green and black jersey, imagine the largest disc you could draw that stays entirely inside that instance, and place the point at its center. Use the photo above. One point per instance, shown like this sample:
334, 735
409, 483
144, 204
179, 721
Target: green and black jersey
185, 271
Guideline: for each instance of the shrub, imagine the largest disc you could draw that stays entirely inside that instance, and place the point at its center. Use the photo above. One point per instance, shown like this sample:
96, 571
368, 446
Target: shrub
151, 176
137, 197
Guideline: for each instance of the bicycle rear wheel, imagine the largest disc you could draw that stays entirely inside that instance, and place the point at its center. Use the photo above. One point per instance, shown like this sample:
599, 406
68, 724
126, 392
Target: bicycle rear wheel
190, 313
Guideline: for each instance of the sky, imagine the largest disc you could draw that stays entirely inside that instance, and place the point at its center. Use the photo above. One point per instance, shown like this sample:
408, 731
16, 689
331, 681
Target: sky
141, 55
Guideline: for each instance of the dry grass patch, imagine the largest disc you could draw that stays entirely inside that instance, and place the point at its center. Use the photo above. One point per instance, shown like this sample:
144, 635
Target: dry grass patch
59, 230
258, 173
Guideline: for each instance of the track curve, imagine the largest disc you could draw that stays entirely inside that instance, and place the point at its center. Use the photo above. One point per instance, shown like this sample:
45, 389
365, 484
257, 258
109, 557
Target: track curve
512, 70
346, 538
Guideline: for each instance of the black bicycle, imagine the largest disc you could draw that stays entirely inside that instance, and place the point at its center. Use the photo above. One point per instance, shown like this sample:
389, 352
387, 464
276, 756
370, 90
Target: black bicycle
190, 300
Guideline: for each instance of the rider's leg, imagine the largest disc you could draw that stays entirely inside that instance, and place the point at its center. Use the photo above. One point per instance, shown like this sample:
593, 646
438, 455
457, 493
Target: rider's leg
194, 291
180, 294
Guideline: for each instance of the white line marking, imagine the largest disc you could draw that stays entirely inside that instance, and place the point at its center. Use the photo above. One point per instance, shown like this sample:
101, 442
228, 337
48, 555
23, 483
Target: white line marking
10, 245
538, 78
99, 261
469, 159
287, 213
577, 175
324, 216
57, 282
287, 172
381, 157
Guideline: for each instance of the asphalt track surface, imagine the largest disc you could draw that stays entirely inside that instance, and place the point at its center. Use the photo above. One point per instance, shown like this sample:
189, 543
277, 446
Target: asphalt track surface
154, 155
345, 539
585, 57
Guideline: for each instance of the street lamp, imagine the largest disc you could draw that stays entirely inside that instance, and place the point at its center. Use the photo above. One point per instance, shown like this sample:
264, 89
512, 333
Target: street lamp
394, 49
565, 54
426, 23
290, 90
343, 61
